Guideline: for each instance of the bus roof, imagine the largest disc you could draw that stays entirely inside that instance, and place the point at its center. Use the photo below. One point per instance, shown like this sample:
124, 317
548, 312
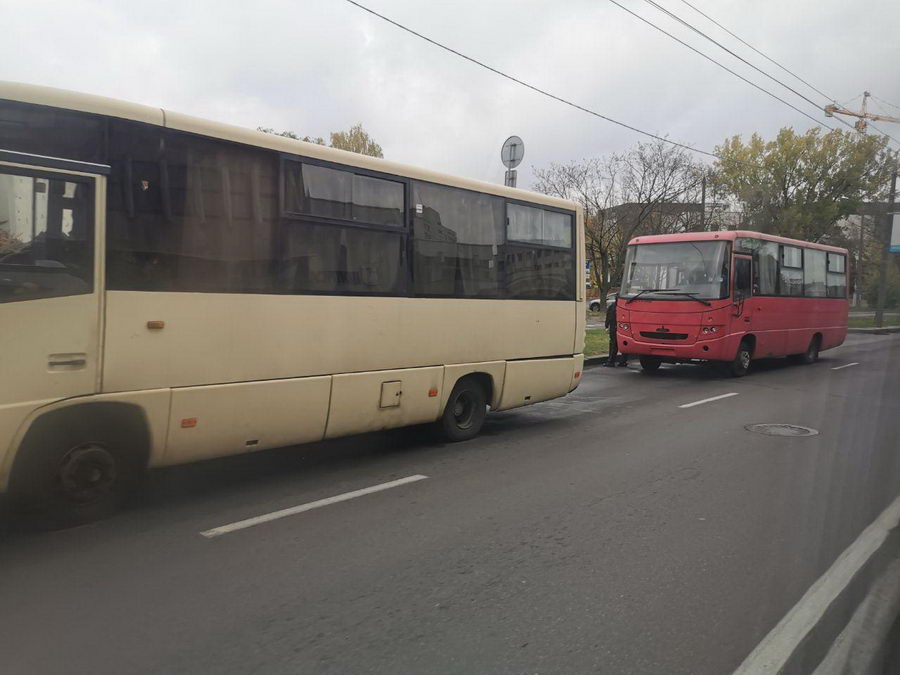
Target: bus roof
100, 105
729, 235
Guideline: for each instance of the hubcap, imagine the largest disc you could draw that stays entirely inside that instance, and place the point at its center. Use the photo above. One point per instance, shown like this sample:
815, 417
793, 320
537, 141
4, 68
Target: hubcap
87, 473
463, 410
745, 359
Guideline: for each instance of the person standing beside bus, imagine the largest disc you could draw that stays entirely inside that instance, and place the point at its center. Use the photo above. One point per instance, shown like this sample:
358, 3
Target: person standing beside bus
611, 327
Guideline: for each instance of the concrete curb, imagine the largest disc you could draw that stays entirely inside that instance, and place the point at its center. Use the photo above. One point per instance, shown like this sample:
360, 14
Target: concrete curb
884, 330
591, 361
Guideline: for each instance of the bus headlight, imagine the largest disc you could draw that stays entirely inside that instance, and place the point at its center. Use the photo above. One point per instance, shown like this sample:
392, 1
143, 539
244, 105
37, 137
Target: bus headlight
623, 326
709, 330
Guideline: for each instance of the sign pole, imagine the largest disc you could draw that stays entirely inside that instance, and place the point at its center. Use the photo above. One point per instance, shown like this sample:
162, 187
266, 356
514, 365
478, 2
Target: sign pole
511, 155
886, 254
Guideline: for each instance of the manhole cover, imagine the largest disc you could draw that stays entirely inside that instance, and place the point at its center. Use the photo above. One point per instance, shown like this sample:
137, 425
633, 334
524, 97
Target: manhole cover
781, 430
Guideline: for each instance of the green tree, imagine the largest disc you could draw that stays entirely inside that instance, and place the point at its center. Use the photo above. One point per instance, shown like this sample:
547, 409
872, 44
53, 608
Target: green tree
290, 134
870, 286
354, 140
801, 185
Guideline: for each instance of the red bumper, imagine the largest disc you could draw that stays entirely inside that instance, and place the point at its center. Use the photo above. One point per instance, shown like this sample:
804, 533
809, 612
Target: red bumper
717, 349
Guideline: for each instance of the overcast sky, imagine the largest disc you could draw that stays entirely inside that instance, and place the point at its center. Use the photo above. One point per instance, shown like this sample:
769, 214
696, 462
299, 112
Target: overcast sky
315, 66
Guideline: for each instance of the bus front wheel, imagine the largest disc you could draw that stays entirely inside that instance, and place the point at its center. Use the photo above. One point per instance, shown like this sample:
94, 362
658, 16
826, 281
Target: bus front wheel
465, 411
741, 363
650, 363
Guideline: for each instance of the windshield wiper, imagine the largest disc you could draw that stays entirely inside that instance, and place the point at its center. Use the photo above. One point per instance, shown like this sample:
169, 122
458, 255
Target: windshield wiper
640, 293
691, 295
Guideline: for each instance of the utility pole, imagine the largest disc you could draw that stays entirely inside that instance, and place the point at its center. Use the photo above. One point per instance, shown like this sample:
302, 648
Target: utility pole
863, 114
703, 203
886, 252
857, 285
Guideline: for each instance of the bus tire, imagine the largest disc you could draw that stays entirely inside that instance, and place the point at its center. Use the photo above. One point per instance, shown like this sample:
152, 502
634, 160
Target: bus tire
76, 473
465, 411
811, 355
650, 363
741, 364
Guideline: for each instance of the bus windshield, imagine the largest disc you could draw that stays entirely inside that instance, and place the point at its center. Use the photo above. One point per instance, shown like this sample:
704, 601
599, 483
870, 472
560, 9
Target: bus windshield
694, 268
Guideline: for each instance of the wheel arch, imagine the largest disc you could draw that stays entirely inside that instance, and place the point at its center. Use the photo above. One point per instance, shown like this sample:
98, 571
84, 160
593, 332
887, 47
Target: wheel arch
104, 422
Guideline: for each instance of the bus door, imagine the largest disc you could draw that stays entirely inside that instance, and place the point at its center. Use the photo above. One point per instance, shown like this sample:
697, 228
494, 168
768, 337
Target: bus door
49, 283
742, 295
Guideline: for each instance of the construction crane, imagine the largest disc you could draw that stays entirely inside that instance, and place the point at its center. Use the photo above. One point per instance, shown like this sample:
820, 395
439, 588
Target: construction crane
863, 114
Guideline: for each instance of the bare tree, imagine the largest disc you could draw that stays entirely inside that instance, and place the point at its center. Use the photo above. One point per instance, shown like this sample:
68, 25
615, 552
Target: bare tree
657, 195
653, 188
591, 183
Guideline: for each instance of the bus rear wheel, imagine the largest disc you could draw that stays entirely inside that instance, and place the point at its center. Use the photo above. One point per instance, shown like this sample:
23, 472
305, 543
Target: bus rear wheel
650, 363
811, 355
70, 485
465, 411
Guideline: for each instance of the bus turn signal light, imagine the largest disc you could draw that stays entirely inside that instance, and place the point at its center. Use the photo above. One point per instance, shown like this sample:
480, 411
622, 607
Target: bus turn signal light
432, 392
156, 325
188, 422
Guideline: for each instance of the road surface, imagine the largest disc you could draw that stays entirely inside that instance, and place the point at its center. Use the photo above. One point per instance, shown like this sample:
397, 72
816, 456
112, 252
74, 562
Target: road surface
614, 531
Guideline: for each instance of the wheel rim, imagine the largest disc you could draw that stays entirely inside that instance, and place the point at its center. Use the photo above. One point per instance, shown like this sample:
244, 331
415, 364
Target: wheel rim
745, 359
87, 473
464, 410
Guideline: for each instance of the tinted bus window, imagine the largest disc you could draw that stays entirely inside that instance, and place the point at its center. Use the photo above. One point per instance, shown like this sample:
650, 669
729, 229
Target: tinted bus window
814, 273
791, 271
837, 275
322, 258
457, 235
538, 226
52, 132
342, 195
190, 214
766, 268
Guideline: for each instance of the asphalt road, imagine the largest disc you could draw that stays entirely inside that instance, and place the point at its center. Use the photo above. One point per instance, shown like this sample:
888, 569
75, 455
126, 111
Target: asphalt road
611, 531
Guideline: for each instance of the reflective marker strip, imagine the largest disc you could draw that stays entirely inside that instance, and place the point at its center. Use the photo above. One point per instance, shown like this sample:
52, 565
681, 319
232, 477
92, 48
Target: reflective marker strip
846, 365
283, 513
708, 400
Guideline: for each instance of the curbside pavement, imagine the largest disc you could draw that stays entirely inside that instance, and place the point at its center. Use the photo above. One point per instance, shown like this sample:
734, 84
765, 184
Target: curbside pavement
884, 330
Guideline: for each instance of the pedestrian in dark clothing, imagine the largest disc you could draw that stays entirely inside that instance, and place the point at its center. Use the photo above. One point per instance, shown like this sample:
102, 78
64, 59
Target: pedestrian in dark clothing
612, 326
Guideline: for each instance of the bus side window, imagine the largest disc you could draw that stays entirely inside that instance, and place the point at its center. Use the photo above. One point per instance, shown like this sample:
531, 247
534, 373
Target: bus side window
741, 278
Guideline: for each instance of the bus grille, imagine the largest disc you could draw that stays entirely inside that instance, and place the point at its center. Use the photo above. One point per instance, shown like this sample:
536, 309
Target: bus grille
664, 336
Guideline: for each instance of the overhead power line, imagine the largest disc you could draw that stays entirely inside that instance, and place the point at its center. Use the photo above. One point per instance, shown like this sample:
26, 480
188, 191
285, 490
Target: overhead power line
531, 86
738, 56
893, 105
722, 66
767, 58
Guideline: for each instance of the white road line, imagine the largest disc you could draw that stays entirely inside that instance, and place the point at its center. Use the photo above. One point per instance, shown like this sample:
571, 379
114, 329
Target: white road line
773, 653
283, 513
846, 365
708, 400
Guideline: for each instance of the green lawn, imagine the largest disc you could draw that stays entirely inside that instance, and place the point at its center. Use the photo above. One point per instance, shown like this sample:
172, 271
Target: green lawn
596, 341
869, 321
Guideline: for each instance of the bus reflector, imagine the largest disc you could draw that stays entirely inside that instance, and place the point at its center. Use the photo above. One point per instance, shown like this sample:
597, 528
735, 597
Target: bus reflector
156, 325
188, 422
432, 392
577, 373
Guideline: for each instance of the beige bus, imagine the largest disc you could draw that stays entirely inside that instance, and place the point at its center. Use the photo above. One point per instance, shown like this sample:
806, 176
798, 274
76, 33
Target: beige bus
173, 290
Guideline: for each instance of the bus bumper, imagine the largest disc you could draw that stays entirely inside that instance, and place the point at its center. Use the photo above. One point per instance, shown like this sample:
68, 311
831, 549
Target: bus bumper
717, 349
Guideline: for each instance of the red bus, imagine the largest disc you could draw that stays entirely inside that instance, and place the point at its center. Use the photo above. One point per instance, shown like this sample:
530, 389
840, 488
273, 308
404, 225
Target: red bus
730, 297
